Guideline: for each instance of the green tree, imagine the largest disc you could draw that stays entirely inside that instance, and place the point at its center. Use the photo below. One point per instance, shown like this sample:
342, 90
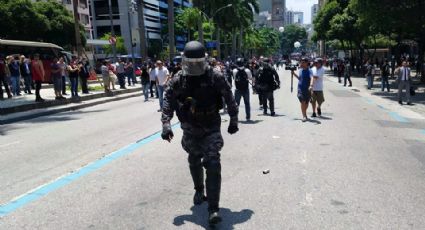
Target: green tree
292, 34
120, 46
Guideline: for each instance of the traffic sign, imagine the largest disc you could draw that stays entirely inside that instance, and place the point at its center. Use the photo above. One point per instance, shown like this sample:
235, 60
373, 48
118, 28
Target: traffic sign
112, 40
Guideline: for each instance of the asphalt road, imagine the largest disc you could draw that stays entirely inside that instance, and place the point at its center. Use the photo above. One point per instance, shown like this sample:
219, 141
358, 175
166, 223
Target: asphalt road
361, 166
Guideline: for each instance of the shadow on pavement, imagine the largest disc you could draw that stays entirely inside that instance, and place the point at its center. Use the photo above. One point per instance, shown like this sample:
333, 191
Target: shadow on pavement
65, 116
199, 217
419, 98
309, 120
250, 122
324, 118
6, 128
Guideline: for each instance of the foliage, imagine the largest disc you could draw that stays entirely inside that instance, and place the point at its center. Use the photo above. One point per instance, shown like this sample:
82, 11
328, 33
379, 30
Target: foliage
46, 21
120, 46
292, 34
262, 41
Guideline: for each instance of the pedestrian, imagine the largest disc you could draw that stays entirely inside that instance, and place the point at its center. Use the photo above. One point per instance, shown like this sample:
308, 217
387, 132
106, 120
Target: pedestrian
112, 75
335, 67
56, 74
120, 68
152, 85
105, 76
15, 75
347, 73
3, 78
404, 81
195, 94
161, 77
369, 74
84, 73
144, 78
38, 74
129, 72
316, 86
268, 81
304, 81
341, 70
25, 69
63, 67
73, 71
385, 72
242, 77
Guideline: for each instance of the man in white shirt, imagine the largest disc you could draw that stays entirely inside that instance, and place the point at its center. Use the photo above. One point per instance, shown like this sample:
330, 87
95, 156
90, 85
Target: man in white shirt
316, 86
161, 77
403, 82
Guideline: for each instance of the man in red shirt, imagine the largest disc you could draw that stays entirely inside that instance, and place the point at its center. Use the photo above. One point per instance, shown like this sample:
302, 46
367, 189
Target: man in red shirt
3, 80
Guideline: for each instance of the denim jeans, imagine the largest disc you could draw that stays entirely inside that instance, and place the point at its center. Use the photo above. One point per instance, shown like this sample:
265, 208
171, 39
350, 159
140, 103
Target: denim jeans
160, 89
121, 80
27, 82
15, 80
369, 82
131, 78
146, 91
245, 95
74, 86
63, 85
385, 83
406, 86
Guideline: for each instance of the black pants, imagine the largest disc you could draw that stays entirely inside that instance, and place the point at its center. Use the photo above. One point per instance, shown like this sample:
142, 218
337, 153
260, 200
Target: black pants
260, 97
63, 85
3, 81
37, 89
84, 85
153, 84
347, 77
268, 96
121, 80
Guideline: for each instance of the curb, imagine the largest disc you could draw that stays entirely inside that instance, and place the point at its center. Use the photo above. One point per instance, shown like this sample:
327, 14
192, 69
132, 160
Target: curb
34, 114
47, 104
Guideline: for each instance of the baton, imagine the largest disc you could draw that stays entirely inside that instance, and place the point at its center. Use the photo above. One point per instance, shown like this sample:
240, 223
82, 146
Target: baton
292, 81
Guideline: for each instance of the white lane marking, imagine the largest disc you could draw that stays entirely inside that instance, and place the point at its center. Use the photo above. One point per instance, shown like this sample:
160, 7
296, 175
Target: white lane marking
275, 137
9, 144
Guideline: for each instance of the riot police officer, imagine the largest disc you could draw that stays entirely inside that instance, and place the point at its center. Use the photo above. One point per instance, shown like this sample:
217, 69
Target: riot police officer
268, 81
195, 94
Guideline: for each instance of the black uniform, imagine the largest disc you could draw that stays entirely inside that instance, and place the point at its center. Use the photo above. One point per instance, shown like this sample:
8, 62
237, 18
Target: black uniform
268, 81
197, 101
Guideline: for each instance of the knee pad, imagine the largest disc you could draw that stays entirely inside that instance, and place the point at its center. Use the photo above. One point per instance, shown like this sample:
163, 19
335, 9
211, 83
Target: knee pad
212, 165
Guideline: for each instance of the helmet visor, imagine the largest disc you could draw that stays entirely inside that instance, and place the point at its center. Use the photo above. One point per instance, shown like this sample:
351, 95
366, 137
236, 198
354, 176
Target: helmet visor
194, 66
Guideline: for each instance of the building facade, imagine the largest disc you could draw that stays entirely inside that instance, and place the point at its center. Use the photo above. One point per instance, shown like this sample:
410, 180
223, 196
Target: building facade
298, 17
83, 14
278, 13
314, 11
126, 19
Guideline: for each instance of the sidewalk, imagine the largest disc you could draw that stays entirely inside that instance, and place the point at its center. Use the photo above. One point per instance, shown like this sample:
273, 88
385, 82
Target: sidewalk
360, 83
24, 107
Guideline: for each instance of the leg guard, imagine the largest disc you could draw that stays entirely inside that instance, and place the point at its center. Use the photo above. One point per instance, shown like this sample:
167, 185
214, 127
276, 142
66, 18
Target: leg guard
213, 182
197, 172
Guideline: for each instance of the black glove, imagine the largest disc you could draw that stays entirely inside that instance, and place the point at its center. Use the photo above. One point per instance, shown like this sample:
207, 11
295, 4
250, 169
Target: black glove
167, 133
233, 126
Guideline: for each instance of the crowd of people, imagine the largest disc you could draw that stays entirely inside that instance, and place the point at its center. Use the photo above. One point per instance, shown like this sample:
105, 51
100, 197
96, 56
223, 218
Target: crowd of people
19, 72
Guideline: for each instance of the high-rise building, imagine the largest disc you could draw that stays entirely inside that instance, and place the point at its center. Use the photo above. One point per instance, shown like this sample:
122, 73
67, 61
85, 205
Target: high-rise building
265, 5
278, 13
298, 17
322, 47
314, 11
289, 17
124, 20
83, 14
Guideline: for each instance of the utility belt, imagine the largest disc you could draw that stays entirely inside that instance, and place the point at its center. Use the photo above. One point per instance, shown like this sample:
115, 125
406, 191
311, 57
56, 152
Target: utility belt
189, 112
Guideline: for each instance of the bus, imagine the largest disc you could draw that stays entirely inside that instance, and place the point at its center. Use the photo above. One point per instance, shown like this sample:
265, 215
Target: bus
47, 52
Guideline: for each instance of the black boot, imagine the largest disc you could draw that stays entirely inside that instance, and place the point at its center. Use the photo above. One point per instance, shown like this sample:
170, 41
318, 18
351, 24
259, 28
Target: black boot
214, 218
213, 184
197, 173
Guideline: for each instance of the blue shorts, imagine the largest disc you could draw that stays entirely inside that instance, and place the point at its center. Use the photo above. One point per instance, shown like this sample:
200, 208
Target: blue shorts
304, 95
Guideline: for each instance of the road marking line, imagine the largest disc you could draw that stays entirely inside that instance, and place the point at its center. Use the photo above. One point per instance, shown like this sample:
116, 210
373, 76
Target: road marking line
9, 144
43, 190
398, 118
275, 137
423, 132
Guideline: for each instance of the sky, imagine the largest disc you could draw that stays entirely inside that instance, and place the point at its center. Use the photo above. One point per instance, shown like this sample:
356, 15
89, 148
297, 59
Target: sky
303, 6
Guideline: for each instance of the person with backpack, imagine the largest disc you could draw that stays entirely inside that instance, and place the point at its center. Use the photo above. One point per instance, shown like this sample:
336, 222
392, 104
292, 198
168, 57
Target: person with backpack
268, 81
242, 76
385, 69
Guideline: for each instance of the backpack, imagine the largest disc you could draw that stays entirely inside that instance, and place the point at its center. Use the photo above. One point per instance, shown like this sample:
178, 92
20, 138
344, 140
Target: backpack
241, 80
385, 70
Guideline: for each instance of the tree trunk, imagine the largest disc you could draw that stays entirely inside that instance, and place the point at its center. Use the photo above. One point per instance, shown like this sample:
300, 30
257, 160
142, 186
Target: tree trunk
171, 28
240, 41
142, 30
218, 43
233, 44
200, 30
77, 28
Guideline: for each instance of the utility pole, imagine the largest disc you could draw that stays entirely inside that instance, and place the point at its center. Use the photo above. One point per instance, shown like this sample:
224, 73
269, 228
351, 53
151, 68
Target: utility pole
114, 48
77, 28
171, 28
142, 30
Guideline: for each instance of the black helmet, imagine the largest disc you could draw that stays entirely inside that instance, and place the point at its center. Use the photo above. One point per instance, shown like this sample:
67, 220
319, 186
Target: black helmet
266, 60
193, 61
240, 62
